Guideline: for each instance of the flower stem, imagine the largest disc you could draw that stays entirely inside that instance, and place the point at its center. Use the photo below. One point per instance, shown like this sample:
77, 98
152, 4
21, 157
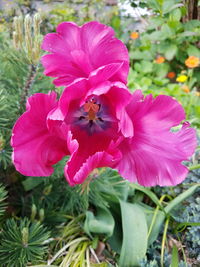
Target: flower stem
28, 84
195, 167
163, 242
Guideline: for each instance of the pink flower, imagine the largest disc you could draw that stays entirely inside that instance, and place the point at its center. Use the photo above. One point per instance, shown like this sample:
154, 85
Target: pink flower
77, 51
35, 148
154, 155
88, 122
99, 123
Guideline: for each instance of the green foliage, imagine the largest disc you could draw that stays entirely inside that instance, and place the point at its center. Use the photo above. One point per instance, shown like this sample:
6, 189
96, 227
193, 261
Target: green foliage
134, 244
22, 242
167, 36
3, 196
101, 223
135, 223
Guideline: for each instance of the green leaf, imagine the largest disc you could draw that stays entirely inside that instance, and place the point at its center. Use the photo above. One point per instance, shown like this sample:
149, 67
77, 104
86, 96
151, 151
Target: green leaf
134, 226
146, 66
190, 25
181, 226
193, 51
155, 22
161, 71
136, 54
148, 192
154, 4
187, 33
115, 23
174, 262
154, 218
171, 52
170, 5
102, 223
176, 201
166, 32
156, 36
32, 182
175, 15
161, 216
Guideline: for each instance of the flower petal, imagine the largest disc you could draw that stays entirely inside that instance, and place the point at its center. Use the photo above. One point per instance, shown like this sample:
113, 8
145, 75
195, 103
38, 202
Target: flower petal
81, 162
153, 156
35, 149
120, 97
70, 33
77, 51
104, 73
103, 47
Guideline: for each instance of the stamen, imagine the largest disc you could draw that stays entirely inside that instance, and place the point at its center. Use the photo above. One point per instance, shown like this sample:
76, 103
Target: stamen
90, 123
100, 119
81, 117
91, 116
91, 108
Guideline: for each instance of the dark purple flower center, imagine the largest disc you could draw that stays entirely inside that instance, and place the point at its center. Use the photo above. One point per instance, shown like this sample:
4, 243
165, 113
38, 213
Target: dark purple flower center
93, 116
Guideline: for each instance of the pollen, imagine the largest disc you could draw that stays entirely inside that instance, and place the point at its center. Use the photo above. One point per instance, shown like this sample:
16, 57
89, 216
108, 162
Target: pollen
91, 108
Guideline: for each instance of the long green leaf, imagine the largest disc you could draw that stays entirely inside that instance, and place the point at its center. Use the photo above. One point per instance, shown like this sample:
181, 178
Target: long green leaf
161, 216
174, 262
176, 201
134, 243
149, 193
102, 223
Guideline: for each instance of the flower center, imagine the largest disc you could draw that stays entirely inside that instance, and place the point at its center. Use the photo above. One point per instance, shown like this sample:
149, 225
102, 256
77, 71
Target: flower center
91, 108
93, 116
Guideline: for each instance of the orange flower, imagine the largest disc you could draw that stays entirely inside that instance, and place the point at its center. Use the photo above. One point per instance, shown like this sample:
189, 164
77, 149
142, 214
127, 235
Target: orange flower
171, 75
185, 88
160, 60
134, 35
192, 62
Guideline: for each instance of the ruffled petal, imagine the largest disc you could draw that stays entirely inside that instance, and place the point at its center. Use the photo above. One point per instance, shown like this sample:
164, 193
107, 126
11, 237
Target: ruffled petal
155, 154
119, 97
72, 95
104, 73
104, 48
93, 33
35, 150
82, 162
70, 32
65, 70
54, 43
77, 51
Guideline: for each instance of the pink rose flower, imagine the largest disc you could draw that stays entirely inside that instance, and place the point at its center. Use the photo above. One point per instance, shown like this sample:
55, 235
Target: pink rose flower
99, 123
76, 51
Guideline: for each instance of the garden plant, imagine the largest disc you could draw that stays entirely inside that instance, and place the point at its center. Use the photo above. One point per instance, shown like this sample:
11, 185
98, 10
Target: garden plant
99, 133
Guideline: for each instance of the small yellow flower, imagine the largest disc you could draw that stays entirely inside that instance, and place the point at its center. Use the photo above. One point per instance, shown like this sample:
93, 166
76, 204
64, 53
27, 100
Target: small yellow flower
134, 35
182, 78
185, 88
192, 62
197, 93
160, 60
